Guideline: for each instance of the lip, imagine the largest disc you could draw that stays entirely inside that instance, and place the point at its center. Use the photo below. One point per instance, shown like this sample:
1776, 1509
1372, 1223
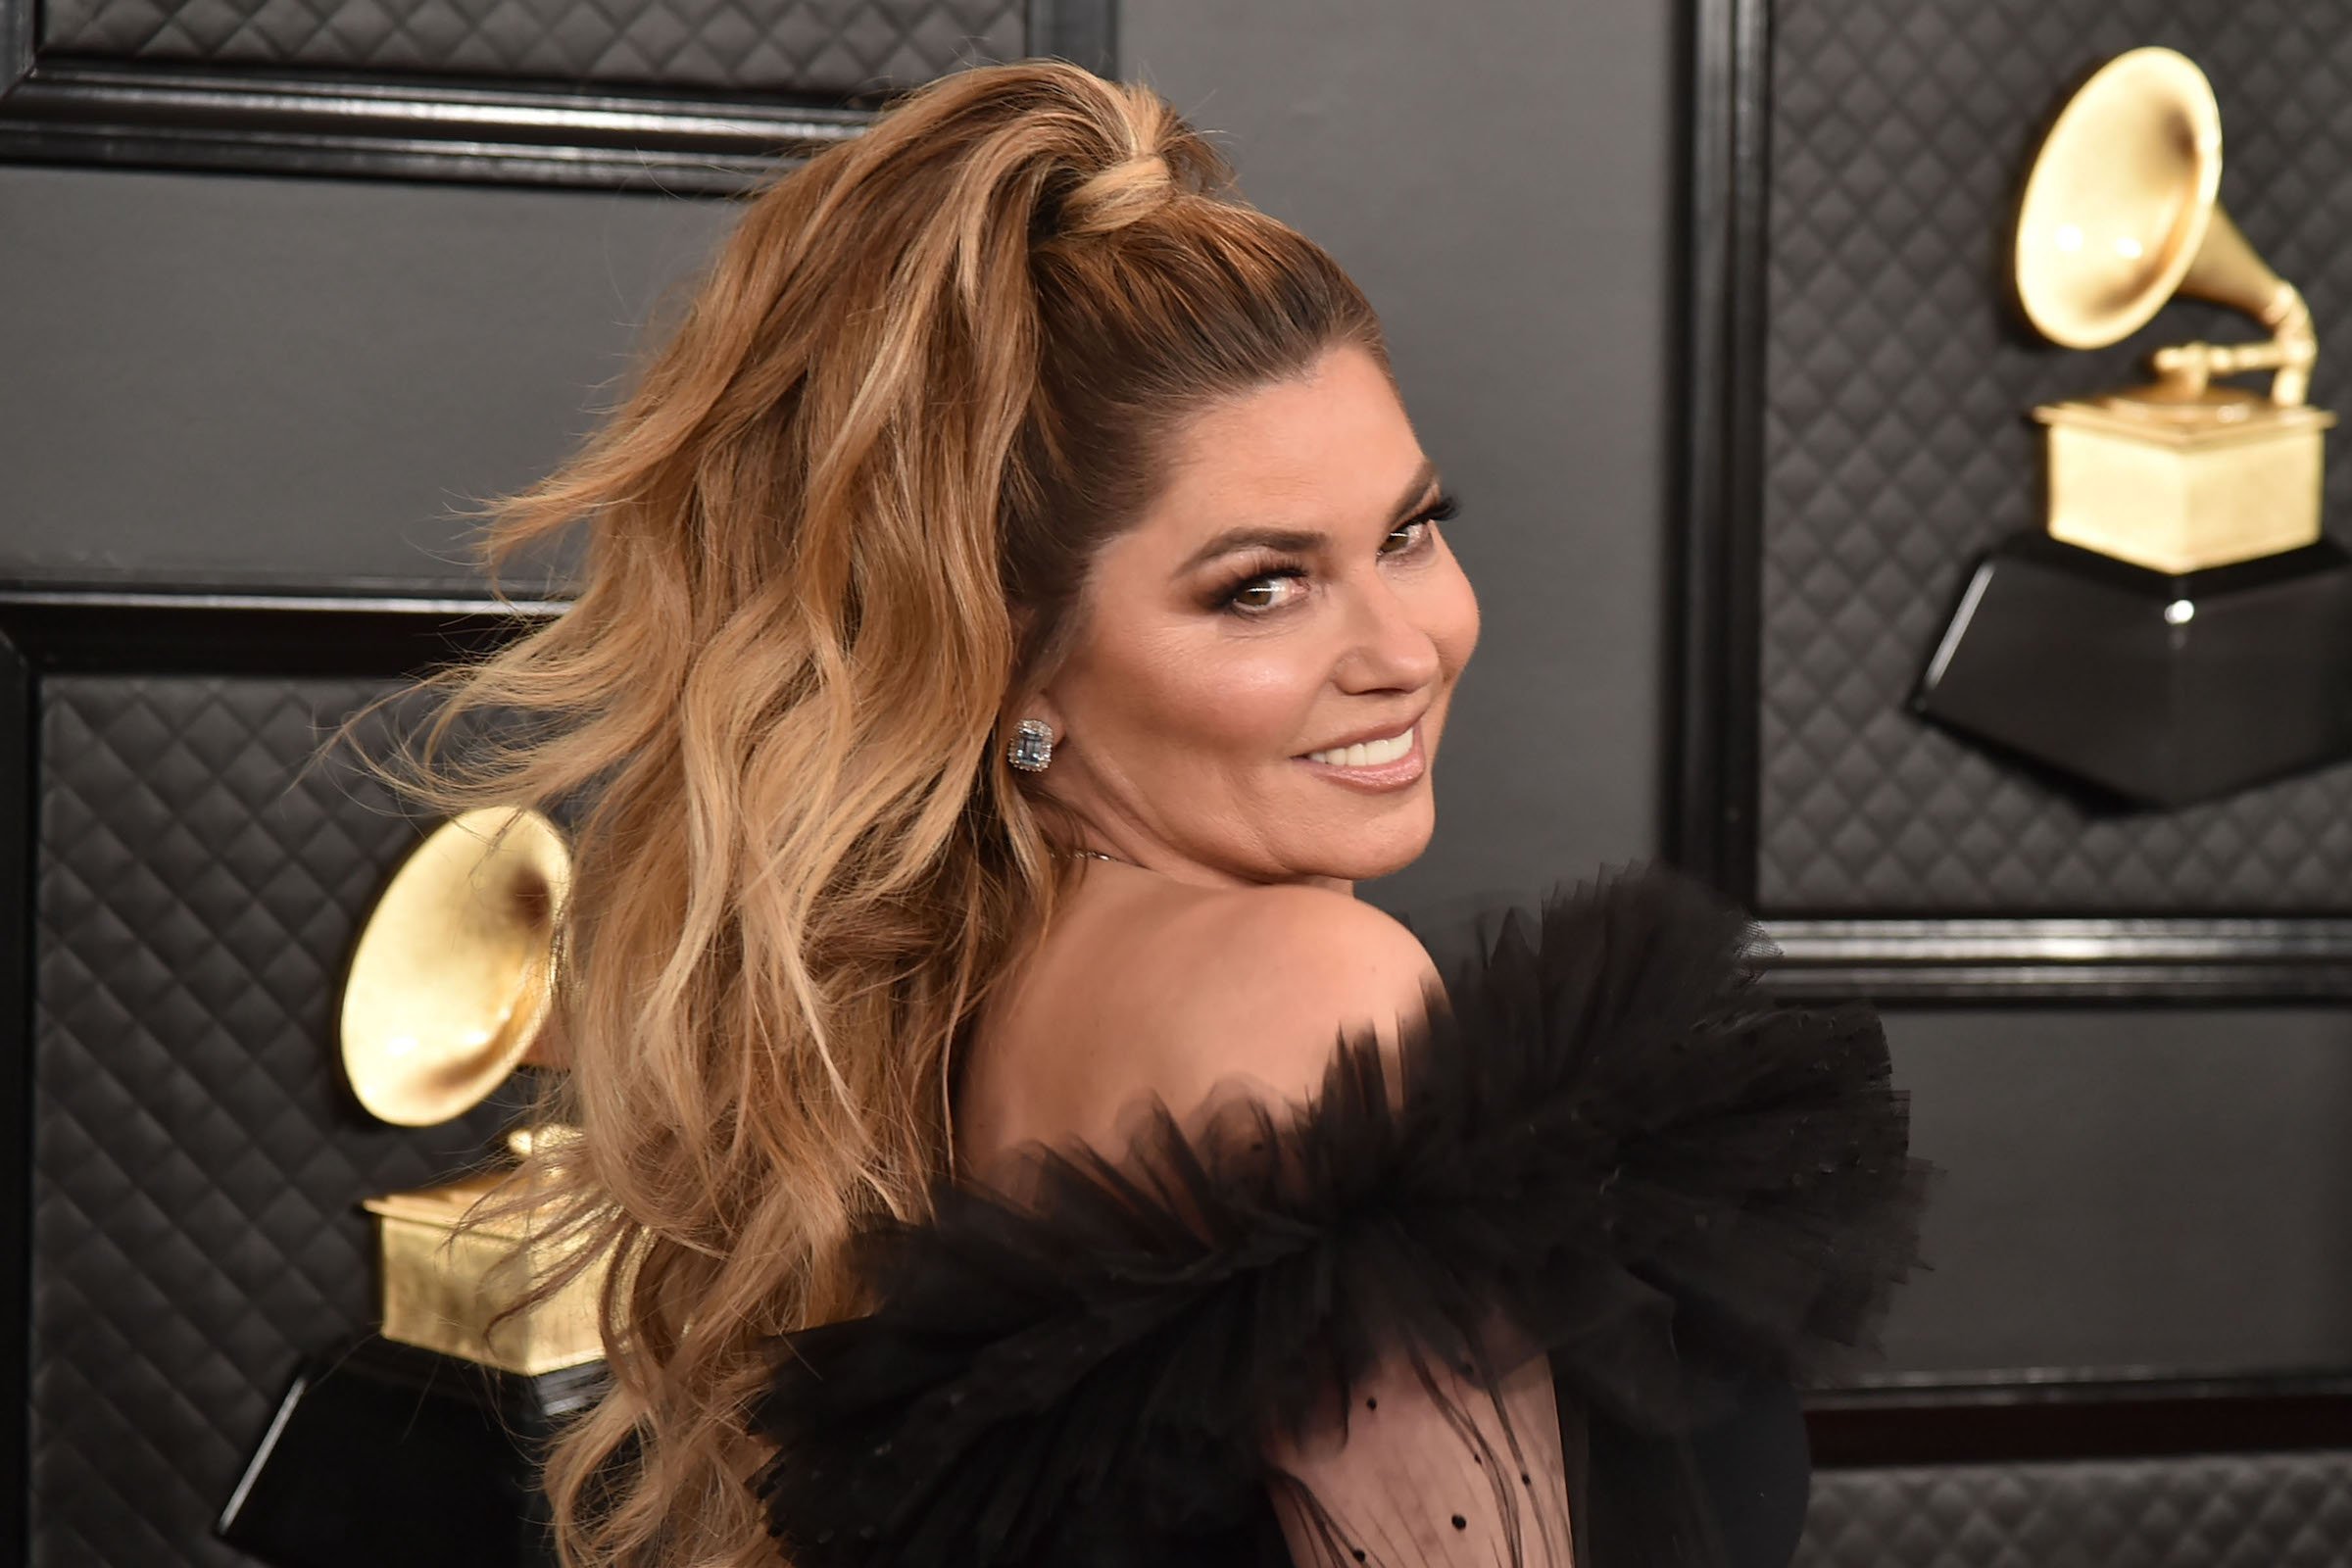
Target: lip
1378, 777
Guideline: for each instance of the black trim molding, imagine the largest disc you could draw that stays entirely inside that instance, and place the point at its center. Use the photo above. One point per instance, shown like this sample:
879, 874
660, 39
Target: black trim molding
2022, 1418
106, 630
1914, 955
80, 110
1926, 959
18, 928
1720, 462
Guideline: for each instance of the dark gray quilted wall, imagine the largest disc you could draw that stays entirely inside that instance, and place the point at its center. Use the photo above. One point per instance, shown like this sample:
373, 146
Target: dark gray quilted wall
827, 47
1897, 445
2256, 1510
196, 1166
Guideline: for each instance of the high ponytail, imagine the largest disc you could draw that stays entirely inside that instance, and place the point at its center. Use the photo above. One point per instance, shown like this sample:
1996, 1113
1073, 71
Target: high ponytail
841, 524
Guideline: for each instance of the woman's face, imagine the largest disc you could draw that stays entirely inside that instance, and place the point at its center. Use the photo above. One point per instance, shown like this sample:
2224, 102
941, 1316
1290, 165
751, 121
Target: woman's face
1261, 667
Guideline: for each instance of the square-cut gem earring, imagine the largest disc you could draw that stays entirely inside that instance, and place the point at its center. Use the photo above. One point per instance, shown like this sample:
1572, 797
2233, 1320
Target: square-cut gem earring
1032, 745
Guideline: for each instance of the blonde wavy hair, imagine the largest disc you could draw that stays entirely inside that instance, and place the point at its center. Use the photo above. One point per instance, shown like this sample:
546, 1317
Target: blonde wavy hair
841, 524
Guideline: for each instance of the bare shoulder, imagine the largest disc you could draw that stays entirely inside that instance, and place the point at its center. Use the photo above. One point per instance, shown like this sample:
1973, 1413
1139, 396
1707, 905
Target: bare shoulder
1287, 971
1181, 997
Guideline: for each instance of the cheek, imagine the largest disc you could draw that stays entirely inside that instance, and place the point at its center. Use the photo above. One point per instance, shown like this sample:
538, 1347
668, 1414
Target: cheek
1219, 700
1451, 618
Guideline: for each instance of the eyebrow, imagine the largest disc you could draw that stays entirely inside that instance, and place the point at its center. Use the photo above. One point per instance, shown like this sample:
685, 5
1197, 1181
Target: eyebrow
1299, 541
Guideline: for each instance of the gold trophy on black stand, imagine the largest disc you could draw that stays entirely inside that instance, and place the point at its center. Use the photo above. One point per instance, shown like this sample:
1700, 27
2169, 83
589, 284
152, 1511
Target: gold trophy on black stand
416, 1445
2182, 628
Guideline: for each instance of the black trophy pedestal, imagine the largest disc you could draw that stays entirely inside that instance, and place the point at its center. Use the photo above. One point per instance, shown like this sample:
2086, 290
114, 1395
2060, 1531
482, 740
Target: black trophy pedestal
2161, 689
387, 1456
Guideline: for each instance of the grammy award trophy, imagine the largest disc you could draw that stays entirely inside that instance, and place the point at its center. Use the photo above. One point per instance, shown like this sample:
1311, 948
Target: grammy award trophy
413, 1446
2182, 628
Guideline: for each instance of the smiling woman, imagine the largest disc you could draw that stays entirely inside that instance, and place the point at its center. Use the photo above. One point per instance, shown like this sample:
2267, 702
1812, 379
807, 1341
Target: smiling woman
1017, 613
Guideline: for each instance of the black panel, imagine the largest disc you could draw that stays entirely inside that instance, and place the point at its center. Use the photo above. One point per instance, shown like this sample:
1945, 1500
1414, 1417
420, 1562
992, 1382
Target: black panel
184, 1165
2184, 1473
245, 382
1897, 447
668, 94
840, 48
196, 1165
2278, 1510
1859, 387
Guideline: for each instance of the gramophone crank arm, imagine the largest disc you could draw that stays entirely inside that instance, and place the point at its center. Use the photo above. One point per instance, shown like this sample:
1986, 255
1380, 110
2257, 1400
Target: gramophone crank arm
2292, 351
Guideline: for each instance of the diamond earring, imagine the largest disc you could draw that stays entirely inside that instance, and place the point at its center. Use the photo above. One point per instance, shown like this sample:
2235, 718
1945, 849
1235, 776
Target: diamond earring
1032, 745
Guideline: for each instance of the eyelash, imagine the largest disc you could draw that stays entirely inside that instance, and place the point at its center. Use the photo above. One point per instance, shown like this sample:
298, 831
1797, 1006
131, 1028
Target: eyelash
1443, 509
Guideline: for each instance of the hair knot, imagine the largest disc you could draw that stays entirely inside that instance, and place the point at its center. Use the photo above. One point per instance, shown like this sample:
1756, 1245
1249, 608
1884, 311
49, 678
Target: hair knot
1113, 198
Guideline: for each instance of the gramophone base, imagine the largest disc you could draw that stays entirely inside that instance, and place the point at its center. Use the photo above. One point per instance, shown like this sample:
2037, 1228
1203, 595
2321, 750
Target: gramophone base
2185, 494
386, 1456
2158, 688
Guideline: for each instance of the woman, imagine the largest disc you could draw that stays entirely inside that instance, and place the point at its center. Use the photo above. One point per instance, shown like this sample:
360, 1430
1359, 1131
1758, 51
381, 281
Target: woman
1016, 613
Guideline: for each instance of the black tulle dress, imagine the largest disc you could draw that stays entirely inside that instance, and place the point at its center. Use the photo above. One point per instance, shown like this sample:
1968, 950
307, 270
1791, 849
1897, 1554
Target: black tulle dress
1609, 1165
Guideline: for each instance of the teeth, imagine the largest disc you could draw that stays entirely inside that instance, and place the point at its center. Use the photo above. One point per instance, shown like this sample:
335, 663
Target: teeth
1365, 754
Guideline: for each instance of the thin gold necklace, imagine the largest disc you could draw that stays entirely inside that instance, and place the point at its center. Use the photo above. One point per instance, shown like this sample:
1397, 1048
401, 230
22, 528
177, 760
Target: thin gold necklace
1098, 855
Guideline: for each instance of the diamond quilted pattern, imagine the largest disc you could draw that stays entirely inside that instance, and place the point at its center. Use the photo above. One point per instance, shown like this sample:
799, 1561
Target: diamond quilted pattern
831, 47
196, 1165
2278, 1510
1897, 447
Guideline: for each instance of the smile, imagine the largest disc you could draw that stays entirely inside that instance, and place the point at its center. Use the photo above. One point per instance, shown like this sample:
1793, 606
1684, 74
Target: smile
1367, 754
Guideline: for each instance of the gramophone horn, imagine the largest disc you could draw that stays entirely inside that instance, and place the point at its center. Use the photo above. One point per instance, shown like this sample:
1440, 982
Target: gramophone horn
2119, 214
2119, 199
449, 987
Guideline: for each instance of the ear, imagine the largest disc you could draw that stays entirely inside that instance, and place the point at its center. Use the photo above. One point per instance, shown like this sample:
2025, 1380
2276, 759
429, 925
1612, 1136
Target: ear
1034, 699
1040, 705
1036, 693
1030, 702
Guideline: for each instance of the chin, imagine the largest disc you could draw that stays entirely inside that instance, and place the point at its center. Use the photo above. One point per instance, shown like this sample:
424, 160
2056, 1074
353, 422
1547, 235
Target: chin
1377, 849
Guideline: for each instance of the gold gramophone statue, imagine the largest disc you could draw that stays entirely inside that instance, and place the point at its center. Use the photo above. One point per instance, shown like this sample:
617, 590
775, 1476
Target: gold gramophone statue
411, 1447
447, 998
2119, 214
2182, 628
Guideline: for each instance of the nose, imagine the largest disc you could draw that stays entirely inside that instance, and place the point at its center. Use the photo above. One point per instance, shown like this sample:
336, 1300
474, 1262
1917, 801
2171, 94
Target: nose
1386, 648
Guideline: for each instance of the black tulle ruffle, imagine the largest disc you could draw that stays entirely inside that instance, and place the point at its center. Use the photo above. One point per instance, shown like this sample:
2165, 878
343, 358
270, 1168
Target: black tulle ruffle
1610, 1143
